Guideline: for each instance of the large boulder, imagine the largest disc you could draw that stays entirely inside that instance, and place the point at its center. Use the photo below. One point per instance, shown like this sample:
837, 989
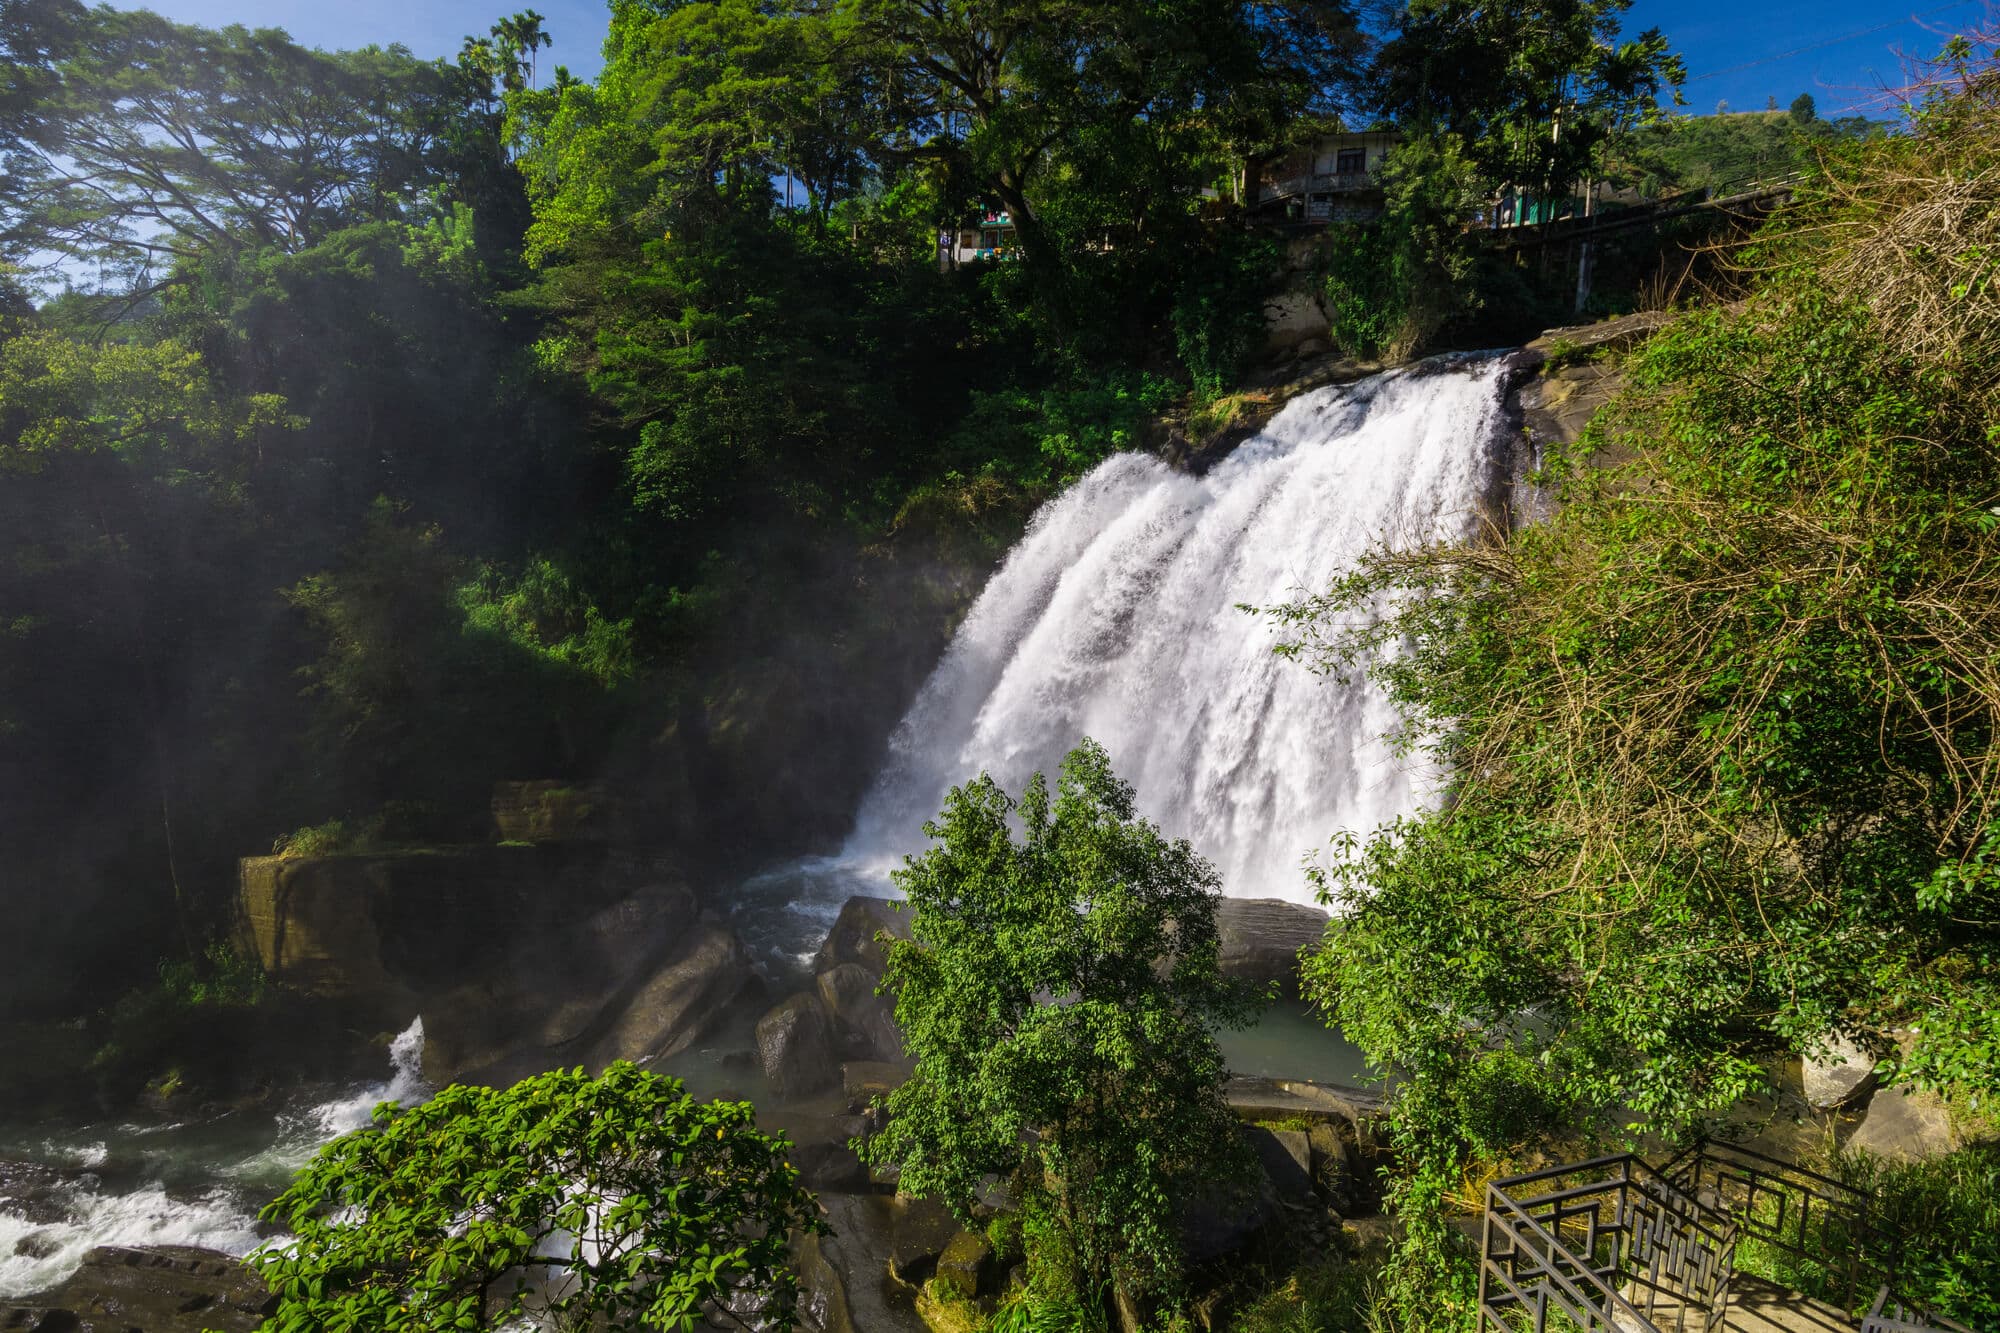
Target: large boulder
1286, 1156
158, 1289
1836, 1074
968, 1268
642, 979
852, 939
374, 930
795, 1043
679, 1000
919, 1232
865, 1021
1261, 939
1905, 1126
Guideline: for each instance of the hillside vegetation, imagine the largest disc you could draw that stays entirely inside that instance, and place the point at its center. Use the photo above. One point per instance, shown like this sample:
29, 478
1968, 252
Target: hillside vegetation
1724, 725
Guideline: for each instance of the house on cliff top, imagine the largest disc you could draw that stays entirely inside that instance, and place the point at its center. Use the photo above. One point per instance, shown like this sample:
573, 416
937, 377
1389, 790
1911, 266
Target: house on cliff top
1336, 178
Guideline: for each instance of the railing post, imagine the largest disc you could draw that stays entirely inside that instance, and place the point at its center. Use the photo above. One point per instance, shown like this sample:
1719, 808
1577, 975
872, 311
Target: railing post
1485, 1254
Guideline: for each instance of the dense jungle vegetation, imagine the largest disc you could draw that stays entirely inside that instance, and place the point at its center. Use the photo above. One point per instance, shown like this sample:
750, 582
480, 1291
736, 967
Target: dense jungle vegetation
373, 428
1723, 724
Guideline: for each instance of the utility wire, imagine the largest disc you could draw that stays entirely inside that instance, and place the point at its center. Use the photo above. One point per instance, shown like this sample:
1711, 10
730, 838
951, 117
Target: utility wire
1830, 41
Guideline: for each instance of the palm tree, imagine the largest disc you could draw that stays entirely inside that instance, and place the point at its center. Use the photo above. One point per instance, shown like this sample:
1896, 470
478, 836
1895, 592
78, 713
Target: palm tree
519, 38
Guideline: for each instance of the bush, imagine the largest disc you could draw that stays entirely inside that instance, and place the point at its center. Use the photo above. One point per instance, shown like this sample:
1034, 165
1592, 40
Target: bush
1219, 313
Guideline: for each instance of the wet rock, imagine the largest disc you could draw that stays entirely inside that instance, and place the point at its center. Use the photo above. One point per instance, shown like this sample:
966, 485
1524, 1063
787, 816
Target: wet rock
38, 1244
1261, 939
795, 1043
1289, 1098
865, 1021
645, 979
164, 1289
968, 1268
843, 1286
852, 939
864, 1080
676, 1005
919, 1231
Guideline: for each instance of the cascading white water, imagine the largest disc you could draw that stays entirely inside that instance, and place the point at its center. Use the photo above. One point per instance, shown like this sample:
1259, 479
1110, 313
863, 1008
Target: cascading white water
1118, 616
176, 1184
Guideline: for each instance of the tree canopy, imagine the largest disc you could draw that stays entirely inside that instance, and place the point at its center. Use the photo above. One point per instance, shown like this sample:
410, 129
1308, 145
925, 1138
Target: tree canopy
618, 1199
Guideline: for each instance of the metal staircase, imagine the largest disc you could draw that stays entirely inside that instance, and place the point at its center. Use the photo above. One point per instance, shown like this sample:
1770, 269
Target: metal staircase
1616, 1245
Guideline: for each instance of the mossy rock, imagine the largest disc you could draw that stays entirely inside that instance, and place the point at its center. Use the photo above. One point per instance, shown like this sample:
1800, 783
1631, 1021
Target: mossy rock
944, 1313
968, 1268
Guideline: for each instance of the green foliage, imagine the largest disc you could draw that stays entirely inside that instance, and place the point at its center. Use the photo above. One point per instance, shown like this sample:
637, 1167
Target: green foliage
544, 611
1391, 284
328, 839
222, 978
444, 1215
1724, 723
1729, 153
1931, 1225
153, 139
1502, 79
1219, 314
1052, 984
1323, 1296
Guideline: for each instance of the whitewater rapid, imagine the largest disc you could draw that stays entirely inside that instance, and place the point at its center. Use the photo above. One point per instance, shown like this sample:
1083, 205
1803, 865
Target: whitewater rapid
192, 1183
1119, 616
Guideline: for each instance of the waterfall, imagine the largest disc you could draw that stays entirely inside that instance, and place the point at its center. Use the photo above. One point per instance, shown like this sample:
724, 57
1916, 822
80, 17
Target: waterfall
1118, 616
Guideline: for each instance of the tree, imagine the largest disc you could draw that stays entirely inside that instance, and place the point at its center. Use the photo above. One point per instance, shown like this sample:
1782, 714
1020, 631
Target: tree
1531, 91
1804, 110
618, 1199
138, 142
1096, 120
1060, 994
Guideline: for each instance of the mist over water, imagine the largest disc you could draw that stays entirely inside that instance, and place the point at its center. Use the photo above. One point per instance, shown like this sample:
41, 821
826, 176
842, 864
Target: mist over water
1118, 616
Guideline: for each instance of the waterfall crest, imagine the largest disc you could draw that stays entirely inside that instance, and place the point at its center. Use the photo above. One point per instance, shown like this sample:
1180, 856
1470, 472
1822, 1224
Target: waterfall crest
1118, 617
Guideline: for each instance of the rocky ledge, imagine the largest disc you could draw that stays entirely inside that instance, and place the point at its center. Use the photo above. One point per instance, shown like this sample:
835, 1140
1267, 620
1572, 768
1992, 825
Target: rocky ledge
161, 1289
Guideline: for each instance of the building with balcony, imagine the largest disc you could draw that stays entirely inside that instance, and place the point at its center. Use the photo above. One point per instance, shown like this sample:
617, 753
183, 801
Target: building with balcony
993, 239
1336, 179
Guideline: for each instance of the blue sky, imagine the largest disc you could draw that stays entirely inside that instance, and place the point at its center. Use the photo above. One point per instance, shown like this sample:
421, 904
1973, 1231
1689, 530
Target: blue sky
1847, 68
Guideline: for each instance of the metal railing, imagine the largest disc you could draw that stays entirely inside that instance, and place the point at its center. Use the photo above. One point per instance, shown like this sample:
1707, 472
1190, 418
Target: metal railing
1593, 1232
1889, 1315
1827, 1224
1614, 1244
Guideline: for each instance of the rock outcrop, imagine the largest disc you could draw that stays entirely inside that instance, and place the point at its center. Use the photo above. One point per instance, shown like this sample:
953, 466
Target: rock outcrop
1261, 939
642, 979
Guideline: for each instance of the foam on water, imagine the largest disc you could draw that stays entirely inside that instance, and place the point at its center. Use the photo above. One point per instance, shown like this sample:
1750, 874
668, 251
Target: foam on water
62, 1214
1119, 617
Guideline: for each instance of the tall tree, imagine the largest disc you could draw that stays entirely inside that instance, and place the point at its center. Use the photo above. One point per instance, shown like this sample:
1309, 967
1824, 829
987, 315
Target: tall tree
1529, 90
151, 141
1060, 995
